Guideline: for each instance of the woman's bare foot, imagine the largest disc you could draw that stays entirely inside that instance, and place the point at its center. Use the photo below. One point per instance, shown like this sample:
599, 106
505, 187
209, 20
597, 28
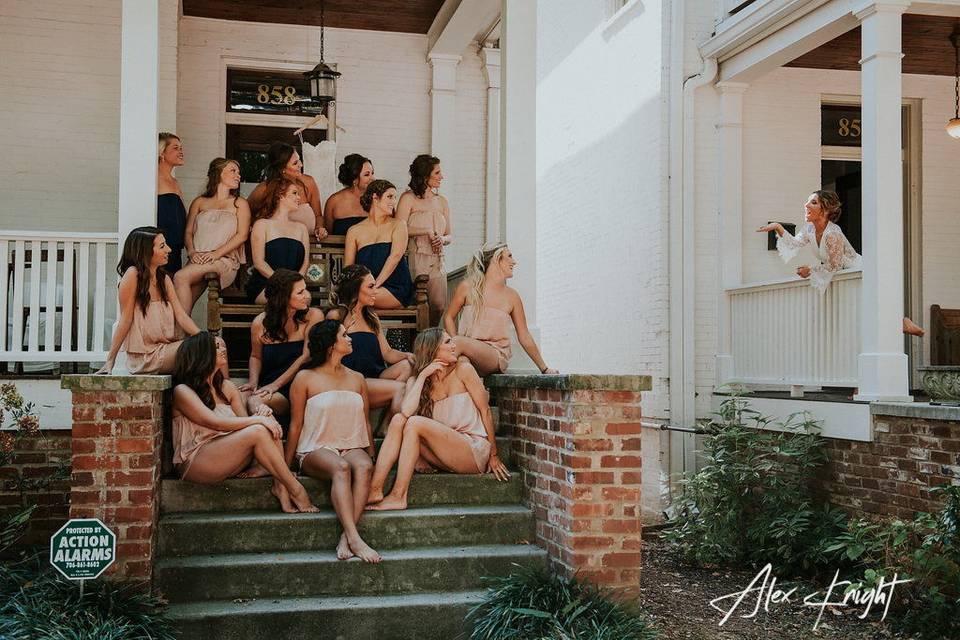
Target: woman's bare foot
912, 328
363, 551
376, 495
254, 471
343, 548
301, 499
280, 493
389, 503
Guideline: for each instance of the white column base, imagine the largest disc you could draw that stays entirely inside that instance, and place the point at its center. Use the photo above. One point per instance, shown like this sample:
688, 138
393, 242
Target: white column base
883, 378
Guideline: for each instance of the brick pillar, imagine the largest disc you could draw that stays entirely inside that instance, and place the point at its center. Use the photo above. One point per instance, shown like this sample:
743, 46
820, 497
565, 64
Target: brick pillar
117, 438
578, 448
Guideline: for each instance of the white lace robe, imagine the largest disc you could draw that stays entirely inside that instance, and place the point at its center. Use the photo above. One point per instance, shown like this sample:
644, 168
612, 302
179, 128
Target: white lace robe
835, 252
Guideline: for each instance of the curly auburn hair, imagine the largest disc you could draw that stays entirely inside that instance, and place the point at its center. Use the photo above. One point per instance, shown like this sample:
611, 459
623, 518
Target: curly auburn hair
276, 189
351, 168
420, 170
346, 295
376, 188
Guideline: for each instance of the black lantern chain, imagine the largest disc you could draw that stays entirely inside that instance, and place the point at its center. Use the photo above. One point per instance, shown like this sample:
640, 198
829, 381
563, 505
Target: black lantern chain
322, 12
955, 40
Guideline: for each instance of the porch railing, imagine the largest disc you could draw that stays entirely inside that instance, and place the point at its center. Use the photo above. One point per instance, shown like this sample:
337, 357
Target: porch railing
57, 295
786, 333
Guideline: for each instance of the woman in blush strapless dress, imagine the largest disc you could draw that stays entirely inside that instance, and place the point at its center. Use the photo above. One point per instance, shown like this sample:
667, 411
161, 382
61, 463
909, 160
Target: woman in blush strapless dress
330, 436
343, 209
171, 214
283, 161
213, 437
487, 309
444, 418
380, 244
427, 215
217, 229
277, 242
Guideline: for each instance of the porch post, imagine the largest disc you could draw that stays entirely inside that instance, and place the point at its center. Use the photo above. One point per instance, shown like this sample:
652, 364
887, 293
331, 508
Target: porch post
443, 116
139, 92
730, 129
883, 367
491, 69
518, 155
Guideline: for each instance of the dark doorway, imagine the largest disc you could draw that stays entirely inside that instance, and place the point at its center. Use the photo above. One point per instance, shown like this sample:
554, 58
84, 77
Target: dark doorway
843, 176
248, 144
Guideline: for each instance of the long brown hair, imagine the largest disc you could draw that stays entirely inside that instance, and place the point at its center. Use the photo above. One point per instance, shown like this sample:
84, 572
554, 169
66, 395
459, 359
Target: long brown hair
196, 360
424, 352
214, 171
278, 156
278, 291
829, 203
420, 170
347, 294
276, 189
137, 253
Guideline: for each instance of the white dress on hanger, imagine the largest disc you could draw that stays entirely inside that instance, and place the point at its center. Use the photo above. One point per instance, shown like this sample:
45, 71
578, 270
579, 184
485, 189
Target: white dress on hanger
320, 161
834, 251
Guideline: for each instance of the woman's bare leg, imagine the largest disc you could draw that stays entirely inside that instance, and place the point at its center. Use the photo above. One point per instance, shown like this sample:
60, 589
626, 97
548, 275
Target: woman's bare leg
228, 455
385, 299
399, 371
278, 403
385, 394
386, 457
485, 359
437, 296
189, 283
325, 464
361, 467
447, 445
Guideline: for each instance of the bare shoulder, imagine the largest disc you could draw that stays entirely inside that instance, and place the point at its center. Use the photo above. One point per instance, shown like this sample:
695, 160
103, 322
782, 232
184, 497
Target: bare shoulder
182, 392
462, 289
230, 390
315, 314
465, 370
355, 378
335, 313
258, 321
308, 180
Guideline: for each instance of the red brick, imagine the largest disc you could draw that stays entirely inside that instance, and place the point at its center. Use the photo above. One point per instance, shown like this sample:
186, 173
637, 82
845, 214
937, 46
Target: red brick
84, 414
130, 478
592, 509
81, 479
134, 514
621, 493
143, 461
84, 445
141, 428
91, 462
128, 412
621, 560
621, 526
592, 542
630, 444
134, 445
593, 444
631, 477
628, 462
623, 428
140, 496
92, 429
593, 477
133, 550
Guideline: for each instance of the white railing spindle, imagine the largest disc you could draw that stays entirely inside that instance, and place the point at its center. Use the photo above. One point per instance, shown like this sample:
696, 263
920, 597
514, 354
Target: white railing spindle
66, 324
98, 299
17, 311
50, 317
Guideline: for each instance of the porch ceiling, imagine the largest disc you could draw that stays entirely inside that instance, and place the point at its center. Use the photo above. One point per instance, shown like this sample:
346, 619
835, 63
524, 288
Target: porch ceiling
376, 15
926, 48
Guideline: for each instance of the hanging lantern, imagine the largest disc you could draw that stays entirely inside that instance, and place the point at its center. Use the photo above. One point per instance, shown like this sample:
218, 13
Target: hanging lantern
322, 78
953, 127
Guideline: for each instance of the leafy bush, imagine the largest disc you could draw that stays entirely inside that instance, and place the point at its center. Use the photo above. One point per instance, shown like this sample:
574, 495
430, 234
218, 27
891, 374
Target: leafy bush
36, 604
532, 604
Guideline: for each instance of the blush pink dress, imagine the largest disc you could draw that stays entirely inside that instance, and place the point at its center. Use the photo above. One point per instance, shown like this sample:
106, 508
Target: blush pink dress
151, 338
333, 420
188, 437
423, 261
214, 228
491, 326
460, 414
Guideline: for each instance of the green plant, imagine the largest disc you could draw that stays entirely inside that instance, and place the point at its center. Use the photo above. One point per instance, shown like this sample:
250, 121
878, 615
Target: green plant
532, 604
36, 604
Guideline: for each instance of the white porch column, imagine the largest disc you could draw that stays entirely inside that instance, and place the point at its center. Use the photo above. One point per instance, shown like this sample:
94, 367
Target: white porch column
443, 118
730, 159
491, 69
139, 88
518, 149
883, 367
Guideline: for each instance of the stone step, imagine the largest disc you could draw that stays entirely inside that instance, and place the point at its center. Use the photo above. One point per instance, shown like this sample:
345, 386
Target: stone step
250, 532
320, 573
178, 496
423, 616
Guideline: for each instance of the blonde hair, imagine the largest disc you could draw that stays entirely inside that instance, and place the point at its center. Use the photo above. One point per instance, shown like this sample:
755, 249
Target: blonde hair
477, 269
424, 352
163, 139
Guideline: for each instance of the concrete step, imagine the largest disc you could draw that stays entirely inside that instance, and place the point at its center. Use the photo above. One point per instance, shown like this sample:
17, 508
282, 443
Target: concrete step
422, 616
178, 496
319, 573
251, 532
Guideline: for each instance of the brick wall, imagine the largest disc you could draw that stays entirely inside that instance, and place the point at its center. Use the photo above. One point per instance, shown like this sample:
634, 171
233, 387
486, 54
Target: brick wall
38, 457
117, 437
893, 475
578, 450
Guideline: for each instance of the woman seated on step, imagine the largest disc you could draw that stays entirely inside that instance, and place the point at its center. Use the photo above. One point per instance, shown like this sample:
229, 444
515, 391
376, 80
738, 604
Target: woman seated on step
330, 436
427, 215
213, 437
283, 161
218, 225
385, 368
278, 341
343, 209
152, 322
488, 308
444, 418
833, 250
277, 242
380, 244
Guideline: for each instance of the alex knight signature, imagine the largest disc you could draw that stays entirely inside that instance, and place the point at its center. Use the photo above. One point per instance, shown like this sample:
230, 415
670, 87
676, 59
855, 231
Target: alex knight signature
763, 592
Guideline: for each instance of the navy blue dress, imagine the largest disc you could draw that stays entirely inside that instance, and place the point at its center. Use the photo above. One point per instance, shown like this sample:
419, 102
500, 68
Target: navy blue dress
340, 225
279, 253
373, 257
172, 221
366, 358
277, 358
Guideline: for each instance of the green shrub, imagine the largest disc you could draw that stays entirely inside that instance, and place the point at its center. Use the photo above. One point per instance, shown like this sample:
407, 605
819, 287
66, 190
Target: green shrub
37, 604
532, 604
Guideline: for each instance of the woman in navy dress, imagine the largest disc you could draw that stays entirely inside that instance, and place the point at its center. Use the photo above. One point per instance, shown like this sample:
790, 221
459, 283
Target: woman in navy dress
380, 244
171, 214
343, 209
276, 241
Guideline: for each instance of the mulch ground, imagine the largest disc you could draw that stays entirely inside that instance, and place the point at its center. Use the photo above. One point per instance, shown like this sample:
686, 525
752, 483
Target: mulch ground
676, 599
